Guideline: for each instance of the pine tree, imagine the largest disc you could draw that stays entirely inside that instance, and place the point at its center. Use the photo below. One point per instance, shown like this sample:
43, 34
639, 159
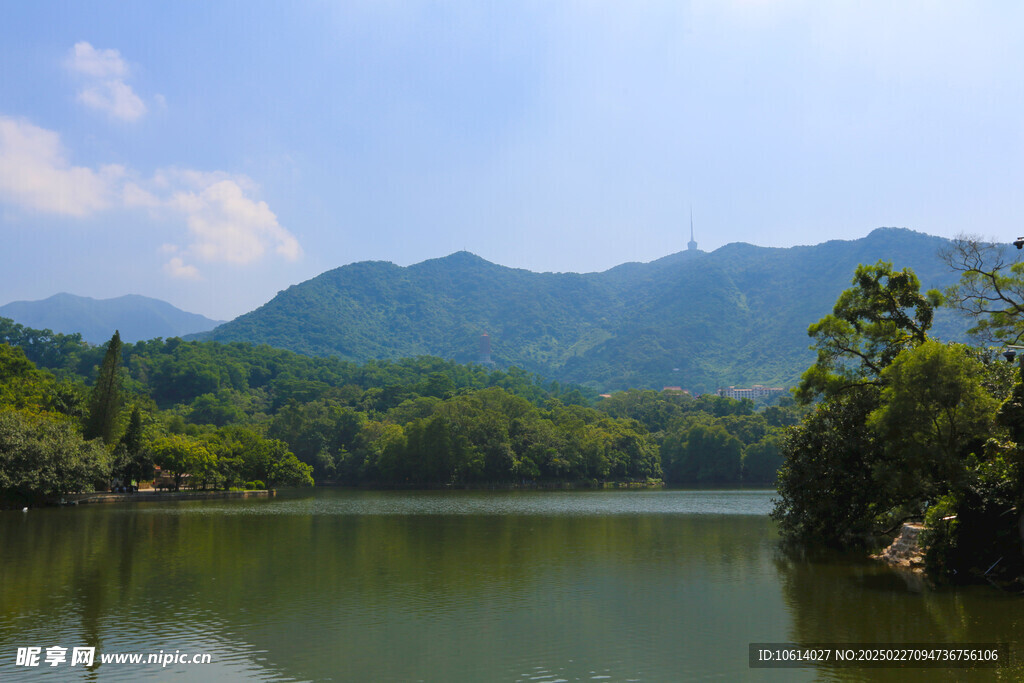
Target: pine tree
105, 400
132, 462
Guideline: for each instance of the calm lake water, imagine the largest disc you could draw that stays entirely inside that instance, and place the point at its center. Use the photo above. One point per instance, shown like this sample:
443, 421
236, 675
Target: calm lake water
661, 585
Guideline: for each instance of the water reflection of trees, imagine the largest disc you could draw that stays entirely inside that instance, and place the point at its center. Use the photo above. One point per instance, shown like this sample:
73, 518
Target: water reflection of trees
135, 556
296, 583
835, 598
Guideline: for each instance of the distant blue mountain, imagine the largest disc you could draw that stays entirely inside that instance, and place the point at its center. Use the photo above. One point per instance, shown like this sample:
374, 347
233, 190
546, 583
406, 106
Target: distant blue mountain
137, 317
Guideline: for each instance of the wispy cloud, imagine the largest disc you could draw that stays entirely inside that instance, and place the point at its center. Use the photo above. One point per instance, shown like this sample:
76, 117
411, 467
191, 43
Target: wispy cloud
104, 88
223, 220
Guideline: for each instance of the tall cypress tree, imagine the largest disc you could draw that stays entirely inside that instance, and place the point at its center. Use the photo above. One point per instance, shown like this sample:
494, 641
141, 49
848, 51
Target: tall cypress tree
132, 462
105, 400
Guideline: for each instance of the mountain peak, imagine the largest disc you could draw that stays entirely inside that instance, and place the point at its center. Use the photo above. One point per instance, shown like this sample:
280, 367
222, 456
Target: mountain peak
463, 256
737, 315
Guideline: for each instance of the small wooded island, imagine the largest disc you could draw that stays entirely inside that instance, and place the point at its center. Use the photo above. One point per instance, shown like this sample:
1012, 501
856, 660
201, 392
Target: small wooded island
888, 425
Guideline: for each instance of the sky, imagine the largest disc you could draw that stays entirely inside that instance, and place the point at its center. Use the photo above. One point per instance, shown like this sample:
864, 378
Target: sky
212, 154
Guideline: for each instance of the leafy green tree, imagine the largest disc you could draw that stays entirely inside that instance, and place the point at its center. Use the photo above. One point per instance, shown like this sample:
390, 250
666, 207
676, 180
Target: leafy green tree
43, 457
384, 446
290, 471
217, 409
762, 460
413, 408
704, 453
21, 384
105, 399
132, 461
437, 384
972, 531
990, 290
833, 483
180, 455
319, 433
45, 348
633, 455
656, 411
246, 454
827, 494
881, 315
781, 416
720, 406
934, 410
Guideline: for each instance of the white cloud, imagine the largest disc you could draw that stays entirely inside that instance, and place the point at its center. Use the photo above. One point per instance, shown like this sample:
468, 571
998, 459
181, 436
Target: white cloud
36, 175
115, 98
104, 88
227, 226
225, 223
87, 60
177, 268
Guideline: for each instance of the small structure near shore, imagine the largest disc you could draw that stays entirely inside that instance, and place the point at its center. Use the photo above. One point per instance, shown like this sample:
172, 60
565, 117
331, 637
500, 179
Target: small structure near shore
906, 550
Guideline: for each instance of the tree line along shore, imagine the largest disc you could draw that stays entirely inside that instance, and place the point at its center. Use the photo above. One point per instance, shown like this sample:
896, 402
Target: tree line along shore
210, 415
889, 424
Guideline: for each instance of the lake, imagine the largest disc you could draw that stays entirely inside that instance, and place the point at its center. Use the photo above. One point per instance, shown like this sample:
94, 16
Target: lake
650, 585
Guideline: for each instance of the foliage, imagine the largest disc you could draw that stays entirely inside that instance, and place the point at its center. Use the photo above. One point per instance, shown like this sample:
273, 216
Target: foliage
909, 427
23, 386
223, 415
704, 454
43, 457
43, 347
105, 399
132, 460
973, 530
883, 314
180, 455
933, 410
244, 455
827, 494
762, 460
990, 290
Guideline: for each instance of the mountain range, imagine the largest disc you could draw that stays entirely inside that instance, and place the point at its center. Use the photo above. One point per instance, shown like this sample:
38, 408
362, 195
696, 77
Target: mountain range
694, 319
136, 317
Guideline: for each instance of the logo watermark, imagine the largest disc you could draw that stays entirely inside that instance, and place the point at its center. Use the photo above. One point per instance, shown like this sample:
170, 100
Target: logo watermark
56, 655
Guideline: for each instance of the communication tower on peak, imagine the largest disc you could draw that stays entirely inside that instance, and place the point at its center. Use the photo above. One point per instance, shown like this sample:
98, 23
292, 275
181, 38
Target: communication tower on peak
692, 244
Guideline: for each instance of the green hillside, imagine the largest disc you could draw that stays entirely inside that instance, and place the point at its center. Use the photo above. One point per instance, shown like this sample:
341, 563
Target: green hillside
735, 316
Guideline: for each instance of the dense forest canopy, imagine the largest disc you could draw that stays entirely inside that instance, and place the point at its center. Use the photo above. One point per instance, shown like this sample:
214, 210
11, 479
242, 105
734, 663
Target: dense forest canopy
213, 414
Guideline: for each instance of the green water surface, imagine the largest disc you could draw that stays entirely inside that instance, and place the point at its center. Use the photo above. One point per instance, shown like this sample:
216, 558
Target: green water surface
342, 585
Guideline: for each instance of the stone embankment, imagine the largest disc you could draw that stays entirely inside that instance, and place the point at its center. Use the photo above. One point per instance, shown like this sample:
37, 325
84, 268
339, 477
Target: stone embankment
906, 550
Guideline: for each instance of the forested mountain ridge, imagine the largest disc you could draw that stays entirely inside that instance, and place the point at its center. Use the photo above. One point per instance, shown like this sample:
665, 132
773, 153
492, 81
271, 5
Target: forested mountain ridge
137, 317
735, 316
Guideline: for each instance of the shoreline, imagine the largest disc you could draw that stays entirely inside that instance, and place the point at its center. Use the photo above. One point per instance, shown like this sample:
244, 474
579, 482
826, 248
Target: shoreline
153, 496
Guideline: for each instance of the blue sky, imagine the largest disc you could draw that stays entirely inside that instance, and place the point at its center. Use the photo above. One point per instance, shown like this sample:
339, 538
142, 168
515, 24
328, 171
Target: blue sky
212, 154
